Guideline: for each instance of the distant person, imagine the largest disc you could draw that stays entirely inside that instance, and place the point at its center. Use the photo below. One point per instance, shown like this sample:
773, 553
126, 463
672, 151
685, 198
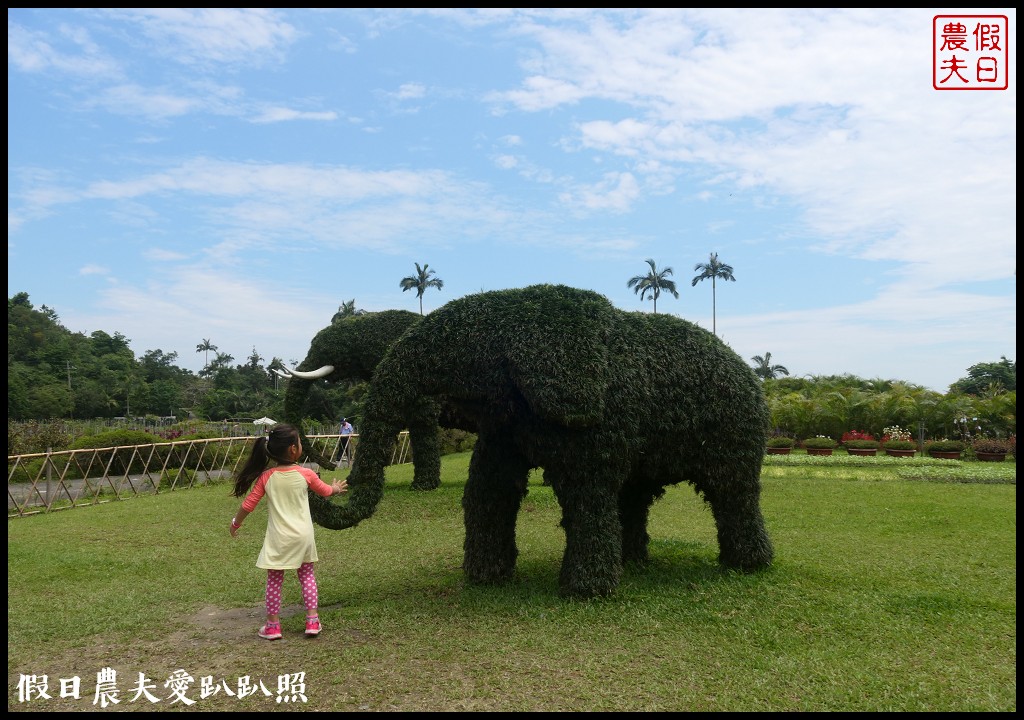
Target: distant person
345, 430
289, 543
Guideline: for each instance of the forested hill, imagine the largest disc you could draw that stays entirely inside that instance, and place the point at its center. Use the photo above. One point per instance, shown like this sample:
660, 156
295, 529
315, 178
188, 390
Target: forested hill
55, 373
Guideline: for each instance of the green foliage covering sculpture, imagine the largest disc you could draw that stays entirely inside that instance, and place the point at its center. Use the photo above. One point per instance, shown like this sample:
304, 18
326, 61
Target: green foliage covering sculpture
351, 347
615, 406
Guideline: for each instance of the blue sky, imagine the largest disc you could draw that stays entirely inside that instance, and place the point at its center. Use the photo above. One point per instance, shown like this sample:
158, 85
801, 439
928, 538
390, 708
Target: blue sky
236, 175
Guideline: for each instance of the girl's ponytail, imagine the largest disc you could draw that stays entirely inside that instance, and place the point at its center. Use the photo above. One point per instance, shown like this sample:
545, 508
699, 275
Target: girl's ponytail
255, 465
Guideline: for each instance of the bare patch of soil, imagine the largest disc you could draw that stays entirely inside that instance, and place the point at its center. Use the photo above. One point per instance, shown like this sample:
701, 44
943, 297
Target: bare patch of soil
214, 641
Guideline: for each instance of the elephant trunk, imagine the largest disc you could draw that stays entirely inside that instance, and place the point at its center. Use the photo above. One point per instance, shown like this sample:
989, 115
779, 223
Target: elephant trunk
366, 481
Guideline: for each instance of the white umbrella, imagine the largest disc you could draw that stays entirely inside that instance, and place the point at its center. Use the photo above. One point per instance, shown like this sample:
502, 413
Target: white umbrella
264, 421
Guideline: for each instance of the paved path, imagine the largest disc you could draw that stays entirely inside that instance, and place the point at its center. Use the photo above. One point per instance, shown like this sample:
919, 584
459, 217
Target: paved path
26, 496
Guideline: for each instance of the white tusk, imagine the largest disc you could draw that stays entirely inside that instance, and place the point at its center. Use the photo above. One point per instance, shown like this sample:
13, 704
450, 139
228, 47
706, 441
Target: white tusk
284, 374
312, 374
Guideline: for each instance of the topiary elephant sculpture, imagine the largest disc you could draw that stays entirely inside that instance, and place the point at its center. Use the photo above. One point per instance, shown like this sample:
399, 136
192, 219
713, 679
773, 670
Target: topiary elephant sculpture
615, 406
350, 349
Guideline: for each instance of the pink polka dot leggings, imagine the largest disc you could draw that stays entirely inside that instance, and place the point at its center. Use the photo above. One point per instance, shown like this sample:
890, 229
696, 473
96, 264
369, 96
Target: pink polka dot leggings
275, 579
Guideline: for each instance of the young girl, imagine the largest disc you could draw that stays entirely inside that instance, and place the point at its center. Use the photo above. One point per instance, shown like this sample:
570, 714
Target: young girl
289, 542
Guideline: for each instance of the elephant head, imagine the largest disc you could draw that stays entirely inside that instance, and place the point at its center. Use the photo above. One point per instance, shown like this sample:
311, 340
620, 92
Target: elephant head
350, 349
615, 407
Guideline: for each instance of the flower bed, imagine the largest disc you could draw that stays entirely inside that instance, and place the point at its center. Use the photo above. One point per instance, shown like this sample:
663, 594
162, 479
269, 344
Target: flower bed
898, 442
989, 449
859, 443
945, 449
819, 442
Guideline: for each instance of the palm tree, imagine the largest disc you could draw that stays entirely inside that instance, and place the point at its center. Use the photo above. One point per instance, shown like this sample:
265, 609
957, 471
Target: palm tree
223, 360
219, 369
345, 310
206, 346
713, 269
655, 282
420, 282
765, 370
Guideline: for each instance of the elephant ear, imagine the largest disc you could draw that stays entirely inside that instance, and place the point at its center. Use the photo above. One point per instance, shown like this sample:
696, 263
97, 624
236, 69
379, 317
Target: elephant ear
558, 358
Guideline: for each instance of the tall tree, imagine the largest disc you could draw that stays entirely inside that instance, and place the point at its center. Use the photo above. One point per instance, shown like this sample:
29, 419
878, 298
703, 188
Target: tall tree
420, 282
764, 369
221, 371
205, 347
714, 269
982, 376
253, 376
654, 282
19, 300
158, 365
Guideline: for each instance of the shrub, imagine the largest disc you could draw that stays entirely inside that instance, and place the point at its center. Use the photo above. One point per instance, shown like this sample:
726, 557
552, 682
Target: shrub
122, 440
776, 441
861, 444
991, 445
899, 445
856, 435
945, 445
177, 479
27, 471
897, 438
200, 435
115, 438
455, 441
820, 441
24, 438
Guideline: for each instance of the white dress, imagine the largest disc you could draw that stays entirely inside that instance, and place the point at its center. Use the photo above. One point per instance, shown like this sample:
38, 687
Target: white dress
289, 542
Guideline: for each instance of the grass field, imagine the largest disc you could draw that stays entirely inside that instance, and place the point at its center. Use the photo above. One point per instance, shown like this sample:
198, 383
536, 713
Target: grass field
890, 592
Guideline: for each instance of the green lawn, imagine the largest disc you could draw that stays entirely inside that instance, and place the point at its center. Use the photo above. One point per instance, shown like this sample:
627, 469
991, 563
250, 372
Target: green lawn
890, 591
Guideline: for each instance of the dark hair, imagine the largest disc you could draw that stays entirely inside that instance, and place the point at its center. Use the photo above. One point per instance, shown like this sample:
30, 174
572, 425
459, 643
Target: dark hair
271, 447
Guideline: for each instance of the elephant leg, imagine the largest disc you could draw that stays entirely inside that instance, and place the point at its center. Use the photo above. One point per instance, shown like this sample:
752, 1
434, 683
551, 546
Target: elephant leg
743, 541
592, 563
634, 510
426, 453
494, 492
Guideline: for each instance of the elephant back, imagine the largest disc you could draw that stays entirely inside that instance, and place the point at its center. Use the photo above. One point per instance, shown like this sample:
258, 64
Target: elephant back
546, 344
677, 383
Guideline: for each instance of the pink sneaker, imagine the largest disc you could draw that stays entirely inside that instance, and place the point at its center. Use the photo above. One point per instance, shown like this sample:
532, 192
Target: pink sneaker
270, 631
312, 626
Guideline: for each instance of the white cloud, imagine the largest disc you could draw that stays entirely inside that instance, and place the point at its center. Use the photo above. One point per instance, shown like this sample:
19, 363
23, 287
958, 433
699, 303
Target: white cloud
36, 52
93, 270
202, 36
280, 114
137, 100
506, 162
164, 255
411, 91
769, 99
615, 192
